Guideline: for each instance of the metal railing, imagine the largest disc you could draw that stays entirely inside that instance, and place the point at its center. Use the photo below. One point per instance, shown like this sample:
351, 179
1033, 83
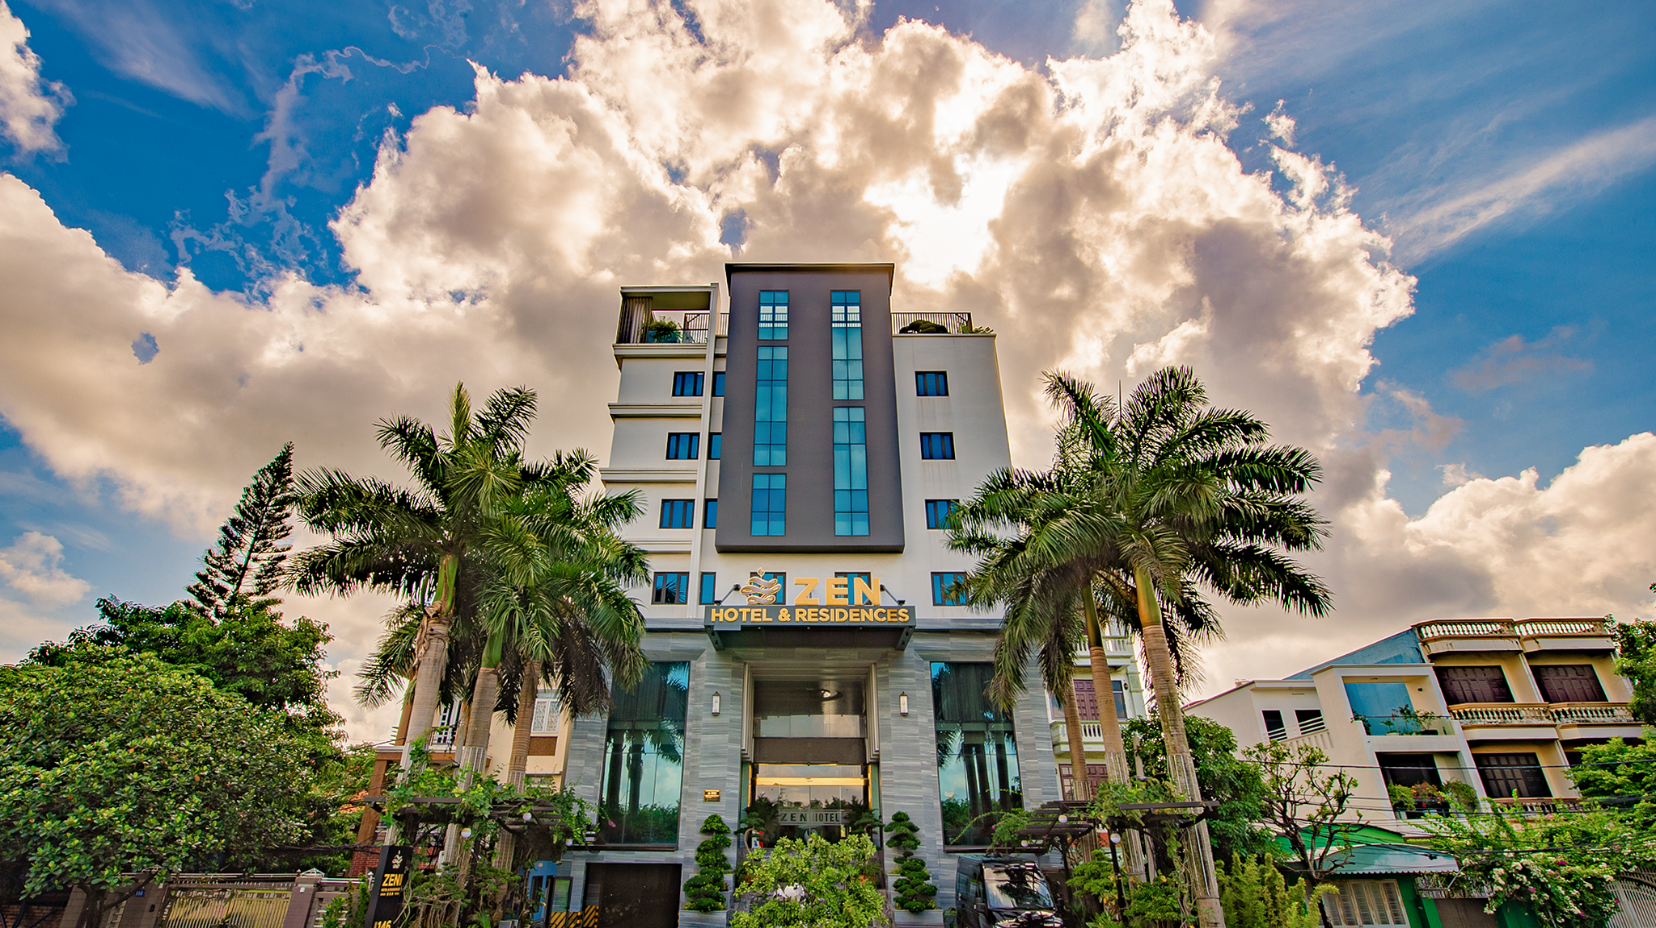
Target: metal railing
1406, 724
642, 326
916, 323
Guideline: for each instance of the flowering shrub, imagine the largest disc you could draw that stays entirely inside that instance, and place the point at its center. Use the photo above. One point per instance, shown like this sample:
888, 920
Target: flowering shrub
812, 883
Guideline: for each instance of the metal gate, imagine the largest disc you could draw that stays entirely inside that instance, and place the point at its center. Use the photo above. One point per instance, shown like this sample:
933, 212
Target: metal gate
225, 908
1636, 904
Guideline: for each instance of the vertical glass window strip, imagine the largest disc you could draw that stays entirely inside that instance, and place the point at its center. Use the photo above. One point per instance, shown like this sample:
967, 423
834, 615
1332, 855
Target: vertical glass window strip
718, 383
848, 353
948, 588
931, 383
1120, 690
773, 315
937, 512
671, 588
977, 754
850, 471
710, 513
681, 446
709, 588
638, 803
770, 504
687, 383
770, 409
678, 513
715, 445
937, 446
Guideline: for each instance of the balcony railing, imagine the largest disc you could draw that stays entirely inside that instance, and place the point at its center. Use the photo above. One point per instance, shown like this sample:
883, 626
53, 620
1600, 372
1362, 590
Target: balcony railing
646, 327
1536, 628
1508, 628
1590, 713
930, 323
1406, 724
1540, 805
1519, 713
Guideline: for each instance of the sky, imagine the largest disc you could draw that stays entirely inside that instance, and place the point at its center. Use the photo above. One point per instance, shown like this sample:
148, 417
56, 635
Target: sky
1415, 238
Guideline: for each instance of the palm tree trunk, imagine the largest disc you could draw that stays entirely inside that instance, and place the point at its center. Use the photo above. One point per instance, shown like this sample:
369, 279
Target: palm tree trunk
1115, 753
1077, 751
430, 660
1204, 880
517, 767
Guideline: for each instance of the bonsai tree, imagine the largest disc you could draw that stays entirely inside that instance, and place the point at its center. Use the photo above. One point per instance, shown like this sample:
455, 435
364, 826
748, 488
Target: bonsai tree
705, 890
913, 883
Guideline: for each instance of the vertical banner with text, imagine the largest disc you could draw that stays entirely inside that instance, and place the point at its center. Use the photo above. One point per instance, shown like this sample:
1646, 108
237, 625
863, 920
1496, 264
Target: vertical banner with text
385, 902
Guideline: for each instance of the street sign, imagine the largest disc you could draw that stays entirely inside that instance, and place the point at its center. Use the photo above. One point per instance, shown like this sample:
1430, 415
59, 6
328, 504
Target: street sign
385, 902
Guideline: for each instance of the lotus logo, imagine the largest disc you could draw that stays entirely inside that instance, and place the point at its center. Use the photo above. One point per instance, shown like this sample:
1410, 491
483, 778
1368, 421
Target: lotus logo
397, 861
761, 592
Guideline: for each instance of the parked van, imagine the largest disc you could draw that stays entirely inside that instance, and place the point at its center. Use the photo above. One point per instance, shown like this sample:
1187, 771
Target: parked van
1002, 892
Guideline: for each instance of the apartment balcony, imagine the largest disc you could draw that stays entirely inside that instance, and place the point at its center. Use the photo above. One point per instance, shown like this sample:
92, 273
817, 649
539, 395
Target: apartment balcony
1511, 721
1410, 733
1528, 635
658, 327
931, 323
1564, 635
1595, 720
1540, 805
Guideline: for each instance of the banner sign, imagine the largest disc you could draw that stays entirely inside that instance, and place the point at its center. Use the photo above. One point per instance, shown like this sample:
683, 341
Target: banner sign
385, 901
735, 618
810, 818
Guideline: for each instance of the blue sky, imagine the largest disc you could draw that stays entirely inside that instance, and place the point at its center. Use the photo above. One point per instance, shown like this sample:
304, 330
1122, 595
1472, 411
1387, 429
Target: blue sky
1506, 150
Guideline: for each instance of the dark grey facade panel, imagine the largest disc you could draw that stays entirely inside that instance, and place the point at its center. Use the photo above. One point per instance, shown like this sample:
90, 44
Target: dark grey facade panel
810, 459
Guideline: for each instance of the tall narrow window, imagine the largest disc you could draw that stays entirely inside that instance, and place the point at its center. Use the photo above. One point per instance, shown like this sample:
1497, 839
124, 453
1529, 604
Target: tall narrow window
545, 721
710, 513
715, 445
850, 471
848, 354
773, 315
977, 754
681, 446
770, 408
718, 383
1120, 690
643, 758
709, 588
1274, 729
770, 504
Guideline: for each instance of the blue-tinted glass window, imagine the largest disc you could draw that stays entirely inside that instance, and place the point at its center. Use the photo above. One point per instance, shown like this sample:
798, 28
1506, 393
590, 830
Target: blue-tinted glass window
937, 512
718, 383
638, 803
709, 588
715, 445
671, 589
848, 349
687, 383
869, 595
773, 315
931, 383
770, 504
948, 588
850, 471
681, 446
937, 446
710, 513
678, 513
977, 763
770, 408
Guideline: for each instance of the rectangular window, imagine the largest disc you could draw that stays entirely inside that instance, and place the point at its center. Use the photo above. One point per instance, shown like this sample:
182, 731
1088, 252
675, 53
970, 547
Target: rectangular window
671, 588
1120, 690
638, 801
770, 504
848, 348
1310, 721
931, 383
864, 595
710, 513
1360, 903
718, 383
948, 588
1568, 683
687, 383
1379, 706
937, 446
715, 445
709, 588
1505, 775
977, 754
682, 446
937, 512
850, 471
773, 315
545, 721
1274, 729
770, 408
1409, 769
1473, 684
678, 513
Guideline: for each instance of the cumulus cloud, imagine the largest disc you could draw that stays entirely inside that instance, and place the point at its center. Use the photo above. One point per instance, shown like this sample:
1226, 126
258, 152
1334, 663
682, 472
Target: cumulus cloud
29, 107
33, 566
1092, 211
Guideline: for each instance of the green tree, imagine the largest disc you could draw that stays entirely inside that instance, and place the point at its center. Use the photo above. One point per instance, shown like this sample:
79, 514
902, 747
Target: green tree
246, 563
1225, 778
1622, 777
812, 882
1256, 896
126, 765
1636, 660
1306, 804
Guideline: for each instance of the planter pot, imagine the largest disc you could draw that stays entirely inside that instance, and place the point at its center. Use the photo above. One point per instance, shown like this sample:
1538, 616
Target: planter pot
928, 917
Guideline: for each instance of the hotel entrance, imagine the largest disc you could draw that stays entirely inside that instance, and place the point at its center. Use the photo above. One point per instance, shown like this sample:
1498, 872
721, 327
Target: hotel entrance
810, 769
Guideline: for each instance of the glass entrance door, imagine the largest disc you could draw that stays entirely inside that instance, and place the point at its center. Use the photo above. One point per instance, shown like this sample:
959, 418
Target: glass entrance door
809, 772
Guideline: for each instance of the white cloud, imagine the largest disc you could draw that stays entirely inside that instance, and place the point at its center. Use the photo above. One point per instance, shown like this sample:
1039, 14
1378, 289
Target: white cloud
29, 106
33, 566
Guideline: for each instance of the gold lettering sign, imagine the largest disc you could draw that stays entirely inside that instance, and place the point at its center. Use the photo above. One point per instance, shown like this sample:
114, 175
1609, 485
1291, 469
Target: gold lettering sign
710, 795
837, 591
733, 617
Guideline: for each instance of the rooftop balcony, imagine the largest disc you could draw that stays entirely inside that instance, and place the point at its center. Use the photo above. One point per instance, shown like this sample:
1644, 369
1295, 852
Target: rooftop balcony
1529, 635
931, 323
1504, 721
669, 328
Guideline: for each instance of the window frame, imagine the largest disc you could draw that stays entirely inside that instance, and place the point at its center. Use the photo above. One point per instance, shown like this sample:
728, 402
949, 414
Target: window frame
769, 329
662, 585
774, 483
933, 442
710, 512
940, 586
707, 593
715, 446
926, 383
676, 441
934, 520
673, 509
692, 378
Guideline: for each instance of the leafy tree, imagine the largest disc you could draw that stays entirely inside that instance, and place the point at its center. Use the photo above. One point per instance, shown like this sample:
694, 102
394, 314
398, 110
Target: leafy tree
1307, 806
127, 765
1636, 660
246, 564
812, 882
1622, 777
1256, 896
913, 884
1226, 779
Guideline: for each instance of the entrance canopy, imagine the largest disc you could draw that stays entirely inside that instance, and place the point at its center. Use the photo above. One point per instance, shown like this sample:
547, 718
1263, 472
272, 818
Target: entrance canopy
810, 626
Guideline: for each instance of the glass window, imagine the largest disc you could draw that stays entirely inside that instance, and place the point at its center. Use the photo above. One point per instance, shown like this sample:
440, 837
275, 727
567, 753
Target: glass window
687, 383
931, 383
770, 408
1016, 886
850, 471
770, 504
937, 446
709, 588
864, 595
715, 445
545, 721
1310, 721
678, 513
1409, 769
682, 446
948, 588
671, 589
848, 349
718, 383
643, 758
1274, 729
710, 513
1378, 705
977, 754
937, 512
773, 315
1119, 689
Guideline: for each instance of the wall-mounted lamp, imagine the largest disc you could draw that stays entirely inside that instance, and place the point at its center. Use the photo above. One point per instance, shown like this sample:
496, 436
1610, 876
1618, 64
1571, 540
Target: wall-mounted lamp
716, 702
902, 704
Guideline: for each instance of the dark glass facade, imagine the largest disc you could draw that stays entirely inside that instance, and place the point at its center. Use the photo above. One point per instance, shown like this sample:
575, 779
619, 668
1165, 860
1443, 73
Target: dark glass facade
977, 754
644, 759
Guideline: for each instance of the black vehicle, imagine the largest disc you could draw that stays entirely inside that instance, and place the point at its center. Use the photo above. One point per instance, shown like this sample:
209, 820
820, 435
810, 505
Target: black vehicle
1003, 892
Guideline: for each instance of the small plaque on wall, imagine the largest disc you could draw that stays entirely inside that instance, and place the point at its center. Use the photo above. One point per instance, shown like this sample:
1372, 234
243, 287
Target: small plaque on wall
710, 795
